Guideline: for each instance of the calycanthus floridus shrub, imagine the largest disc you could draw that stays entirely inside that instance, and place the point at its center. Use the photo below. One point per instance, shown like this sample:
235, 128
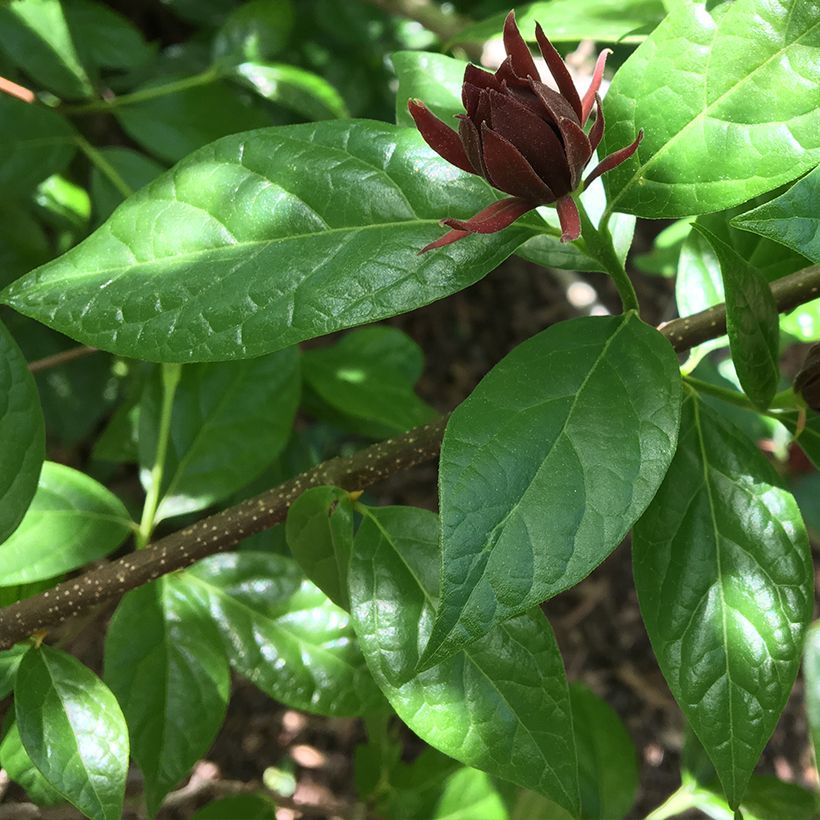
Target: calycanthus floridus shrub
202, 280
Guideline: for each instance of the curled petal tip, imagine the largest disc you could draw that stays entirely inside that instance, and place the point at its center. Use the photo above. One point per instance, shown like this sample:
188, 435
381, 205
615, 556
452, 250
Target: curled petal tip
614, 159
597, 77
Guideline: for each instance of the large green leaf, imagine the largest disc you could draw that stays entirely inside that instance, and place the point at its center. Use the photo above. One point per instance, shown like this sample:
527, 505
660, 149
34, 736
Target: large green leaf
35, 143
22, 435
264, 239
230, 420
16, 762
752, 322
368, 378
546, 466
469, 794
724, 580
165, 663
319, 532
434, 78
811, 674
283, 634
73, 730
609, 21
726, 105
501, 705
72, 520
791, 219
36, 35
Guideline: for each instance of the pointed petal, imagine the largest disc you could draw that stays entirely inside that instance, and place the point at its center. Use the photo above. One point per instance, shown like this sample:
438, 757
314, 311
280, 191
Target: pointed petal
506, 74
508, 170
447, 239
552, 104
514, 45
476, 79
439, 136
614, 159
493, 218
597, 76
597, 130
569, 218
535, 139
471, 140
559, 71
576, 144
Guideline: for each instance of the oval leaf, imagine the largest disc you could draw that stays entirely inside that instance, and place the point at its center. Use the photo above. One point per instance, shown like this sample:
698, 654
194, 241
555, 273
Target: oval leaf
164, 662
21, 770
73, 730
283, 634
546, 466
71, 521
725, 585
715, 96
265, 239
502, 705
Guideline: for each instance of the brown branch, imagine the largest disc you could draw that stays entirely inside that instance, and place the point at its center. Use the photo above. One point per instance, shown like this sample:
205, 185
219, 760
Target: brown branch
56, 359
226, 529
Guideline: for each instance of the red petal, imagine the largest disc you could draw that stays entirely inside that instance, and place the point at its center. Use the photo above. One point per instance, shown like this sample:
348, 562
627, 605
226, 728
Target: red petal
439, 136
475, 79
614, 159
447, 239
471, 140
508, 170
514, 45
576, 144
569, 218
597, 76
558, 70
494, 217
553, 105
597, 130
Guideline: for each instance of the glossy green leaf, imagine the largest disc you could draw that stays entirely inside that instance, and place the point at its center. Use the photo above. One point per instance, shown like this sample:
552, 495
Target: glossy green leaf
368, 377
22, 436
790, 219
9, 661
607, 21
319, 532
72, 520
238, 807
36, 36
469, 794
255, 30
73, 730
230, 420
724, 580
752, 321
323, 235
546, 466
501, 705
124, 171
35, 142
811, 674
434, 78
165, 663
607, 760
17, 764
726, 105
283, 634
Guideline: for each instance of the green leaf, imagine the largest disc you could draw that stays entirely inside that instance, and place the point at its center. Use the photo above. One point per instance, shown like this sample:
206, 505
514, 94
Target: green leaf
35, 143
319, 532
63, 204
790, 219
201, 12
73, 730
255, 31
9, 661
17, 764
811, 674
546, 466
771, 799
662, 260
607, 761
126, 170
23, 242
22, 436
239, 807
724, 581
715, 96
332, 213
502, 705
752, 322
809, 436
302, 91
283, 634
433, 78
35, 35
164, 662
607, 21
368, 377
71, 521
230, 420
468, 795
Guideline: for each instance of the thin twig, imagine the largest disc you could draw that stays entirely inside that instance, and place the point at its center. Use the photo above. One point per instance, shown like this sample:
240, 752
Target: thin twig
226, 529
63, 357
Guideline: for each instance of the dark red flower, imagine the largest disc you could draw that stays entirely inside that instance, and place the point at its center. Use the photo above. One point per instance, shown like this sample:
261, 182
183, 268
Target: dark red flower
523, 137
